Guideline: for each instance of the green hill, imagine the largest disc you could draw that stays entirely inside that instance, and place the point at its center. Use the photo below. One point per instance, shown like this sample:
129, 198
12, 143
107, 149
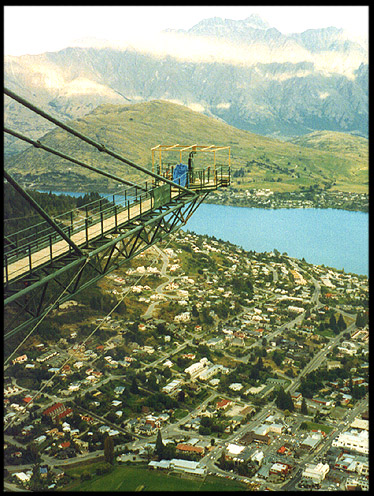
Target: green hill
327, 159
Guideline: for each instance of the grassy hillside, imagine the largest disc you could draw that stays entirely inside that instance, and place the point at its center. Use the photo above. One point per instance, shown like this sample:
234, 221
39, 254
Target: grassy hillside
332, 159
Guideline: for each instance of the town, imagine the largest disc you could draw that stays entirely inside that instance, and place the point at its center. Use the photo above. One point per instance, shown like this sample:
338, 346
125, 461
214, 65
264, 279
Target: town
197, 360
314, 197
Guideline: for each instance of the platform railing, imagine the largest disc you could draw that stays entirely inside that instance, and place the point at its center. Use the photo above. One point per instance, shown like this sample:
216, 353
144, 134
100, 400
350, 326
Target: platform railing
81, 225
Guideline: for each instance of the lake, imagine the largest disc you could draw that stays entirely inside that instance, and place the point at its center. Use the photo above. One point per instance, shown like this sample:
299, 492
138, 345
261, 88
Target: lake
331, 237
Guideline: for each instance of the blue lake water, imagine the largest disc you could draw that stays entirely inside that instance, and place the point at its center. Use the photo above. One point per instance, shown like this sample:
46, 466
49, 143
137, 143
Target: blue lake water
331, 237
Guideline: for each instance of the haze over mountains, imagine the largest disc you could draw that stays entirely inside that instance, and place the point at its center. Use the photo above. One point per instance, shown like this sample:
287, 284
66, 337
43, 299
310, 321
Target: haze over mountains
244, 72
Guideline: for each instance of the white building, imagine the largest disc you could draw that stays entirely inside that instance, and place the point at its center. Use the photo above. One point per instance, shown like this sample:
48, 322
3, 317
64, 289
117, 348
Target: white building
353, 440
172, 386
316, 473
257, 457
236, 386
348, 348
233, 451
183, 317
40, 439
360, 424
277, 428
196, 368
207, 373
261, 430
179, 465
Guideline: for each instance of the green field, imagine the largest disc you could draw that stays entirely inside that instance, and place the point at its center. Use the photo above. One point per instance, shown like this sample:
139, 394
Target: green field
130, 478
321, 427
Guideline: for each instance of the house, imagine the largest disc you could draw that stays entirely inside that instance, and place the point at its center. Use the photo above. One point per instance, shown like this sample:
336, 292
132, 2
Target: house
64, 445
223, 404
188, 448
360, 424
172, 386
20, 359
257, 457
196, 368
104, 428
148, 429
261, 430
323, 401
23, 477
113, 432
43, 471
57, 411
236, 386
276, 428
237, 453
40, 439
254, 437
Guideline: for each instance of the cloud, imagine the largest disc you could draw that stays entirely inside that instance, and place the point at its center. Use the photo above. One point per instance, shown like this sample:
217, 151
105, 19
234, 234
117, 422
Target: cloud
210, 50
197, 107
224, 105
324, 95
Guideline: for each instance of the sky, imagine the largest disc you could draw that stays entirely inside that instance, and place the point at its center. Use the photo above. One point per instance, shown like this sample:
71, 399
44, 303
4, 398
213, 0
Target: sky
38, 29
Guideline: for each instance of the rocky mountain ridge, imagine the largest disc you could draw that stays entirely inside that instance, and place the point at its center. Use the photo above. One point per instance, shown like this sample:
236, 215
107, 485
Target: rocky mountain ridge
276, 85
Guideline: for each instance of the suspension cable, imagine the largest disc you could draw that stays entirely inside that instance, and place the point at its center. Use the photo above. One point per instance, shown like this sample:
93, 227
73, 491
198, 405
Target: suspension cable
50, 308
124, 295
38, 144
98, 146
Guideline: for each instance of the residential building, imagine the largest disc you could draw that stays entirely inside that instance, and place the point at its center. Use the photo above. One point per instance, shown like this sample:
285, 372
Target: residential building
57, 411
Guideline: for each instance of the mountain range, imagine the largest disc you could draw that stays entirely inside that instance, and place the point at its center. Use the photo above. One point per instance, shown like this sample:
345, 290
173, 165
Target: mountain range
245, 73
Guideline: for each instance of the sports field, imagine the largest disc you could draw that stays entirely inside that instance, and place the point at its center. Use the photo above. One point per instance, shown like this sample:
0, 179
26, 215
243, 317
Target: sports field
141, 478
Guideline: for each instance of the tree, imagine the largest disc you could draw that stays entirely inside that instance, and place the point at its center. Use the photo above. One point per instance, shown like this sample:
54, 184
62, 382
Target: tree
159, 448
148, 450
304, 408
134, 386
332, 323
259, 364
195, 312
361, 320
109, 449
341, 323
284, 400
181, 396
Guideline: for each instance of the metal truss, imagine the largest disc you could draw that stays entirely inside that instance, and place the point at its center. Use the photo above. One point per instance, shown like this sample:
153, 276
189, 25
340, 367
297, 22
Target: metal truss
30, 297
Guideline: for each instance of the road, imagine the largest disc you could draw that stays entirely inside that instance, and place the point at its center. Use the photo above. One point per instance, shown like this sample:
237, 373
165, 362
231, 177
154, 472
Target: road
174, 430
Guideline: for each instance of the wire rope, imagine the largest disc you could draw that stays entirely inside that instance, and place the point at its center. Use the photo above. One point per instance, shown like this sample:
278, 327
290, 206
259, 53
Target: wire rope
99, 146
89, 336
45, 315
